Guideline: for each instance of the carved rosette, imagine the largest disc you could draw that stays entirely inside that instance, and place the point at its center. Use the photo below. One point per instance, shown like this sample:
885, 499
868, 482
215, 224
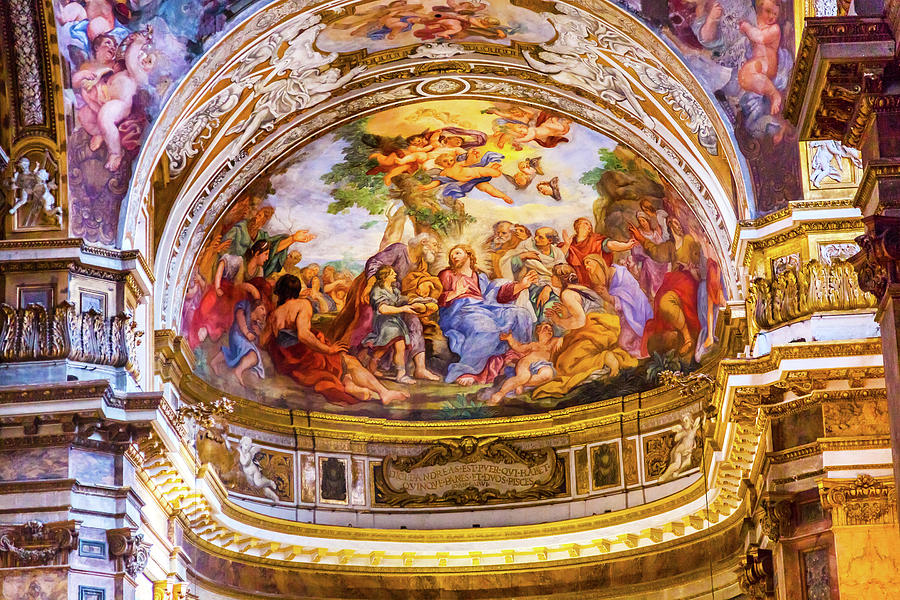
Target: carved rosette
865, 500
37, 544
124, 543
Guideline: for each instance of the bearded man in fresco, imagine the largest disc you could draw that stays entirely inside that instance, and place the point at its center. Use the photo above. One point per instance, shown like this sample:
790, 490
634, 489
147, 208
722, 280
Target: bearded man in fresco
354, 322
474, 312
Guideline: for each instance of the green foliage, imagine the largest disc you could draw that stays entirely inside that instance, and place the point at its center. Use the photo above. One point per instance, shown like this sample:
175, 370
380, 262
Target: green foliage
662, 362
352, 187
608, 162
462, 407
439, 220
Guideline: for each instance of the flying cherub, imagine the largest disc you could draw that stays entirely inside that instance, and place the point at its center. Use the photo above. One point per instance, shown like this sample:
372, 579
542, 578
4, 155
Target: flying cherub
550, 188
528, 169
460, 177
383, 21
396, 155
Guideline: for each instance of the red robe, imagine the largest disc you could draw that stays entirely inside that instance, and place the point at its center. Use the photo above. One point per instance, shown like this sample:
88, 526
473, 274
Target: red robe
593, 244
311, 368
685, 287
215, 313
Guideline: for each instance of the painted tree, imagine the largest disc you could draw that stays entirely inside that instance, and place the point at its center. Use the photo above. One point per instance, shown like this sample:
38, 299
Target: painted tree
354, 184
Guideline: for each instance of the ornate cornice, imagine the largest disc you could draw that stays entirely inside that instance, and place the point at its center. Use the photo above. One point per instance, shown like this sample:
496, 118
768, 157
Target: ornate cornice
865, 500
37, 544
800, 230
841, 108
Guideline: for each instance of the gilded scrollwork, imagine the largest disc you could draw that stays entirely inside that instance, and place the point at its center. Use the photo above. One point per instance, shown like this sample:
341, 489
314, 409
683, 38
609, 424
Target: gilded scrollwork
799, 292
34, 333
469, 470
865, 500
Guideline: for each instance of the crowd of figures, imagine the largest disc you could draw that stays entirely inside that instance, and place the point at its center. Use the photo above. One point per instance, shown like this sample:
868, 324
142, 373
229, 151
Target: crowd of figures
529, 310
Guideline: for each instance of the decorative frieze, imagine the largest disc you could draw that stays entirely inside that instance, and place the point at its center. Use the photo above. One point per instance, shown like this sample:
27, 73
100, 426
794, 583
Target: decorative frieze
34, 333
866, 500
795, 293
37, 544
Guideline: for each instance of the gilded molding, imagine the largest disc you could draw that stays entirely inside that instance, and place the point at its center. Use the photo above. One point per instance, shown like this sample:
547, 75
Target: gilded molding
800, 230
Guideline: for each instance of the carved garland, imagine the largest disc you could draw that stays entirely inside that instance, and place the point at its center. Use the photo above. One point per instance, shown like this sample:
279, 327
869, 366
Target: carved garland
32, 333
36, 543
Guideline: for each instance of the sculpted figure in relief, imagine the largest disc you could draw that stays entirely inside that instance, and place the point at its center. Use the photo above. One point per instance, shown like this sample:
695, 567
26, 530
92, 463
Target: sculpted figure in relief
247, 452
680, 456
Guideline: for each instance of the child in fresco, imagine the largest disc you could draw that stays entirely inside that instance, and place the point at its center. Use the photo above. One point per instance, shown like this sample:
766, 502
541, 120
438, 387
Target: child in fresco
536, 365
242, 353
757, 75
389, 330
474, 172
403, 160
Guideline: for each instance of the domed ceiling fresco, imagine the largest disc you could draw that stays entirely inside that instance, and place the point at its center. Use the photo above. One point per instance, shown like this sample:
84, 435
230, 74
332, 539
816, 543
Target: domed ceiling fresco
452, 259
123, 59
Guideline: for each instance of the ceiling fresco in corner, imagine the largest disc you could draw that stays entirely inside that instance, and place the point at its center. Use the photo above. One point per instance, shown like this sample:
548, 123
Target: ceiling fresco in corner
123, 58
453, 259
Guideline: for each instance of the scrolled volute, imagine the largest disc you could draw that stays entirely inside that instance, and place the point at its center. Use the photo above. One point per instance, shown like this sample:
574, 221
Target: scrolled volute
130, 546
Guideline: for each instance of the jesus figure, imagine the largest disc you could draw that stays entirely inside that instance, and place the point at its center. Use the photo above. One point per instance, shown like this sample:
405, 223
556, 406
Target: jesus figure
474, 311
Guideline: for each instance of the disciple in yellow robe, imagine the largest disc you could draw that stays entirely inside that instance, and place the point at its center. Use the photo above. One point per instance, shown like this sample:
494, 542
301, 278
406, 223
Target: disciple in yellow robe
585, 351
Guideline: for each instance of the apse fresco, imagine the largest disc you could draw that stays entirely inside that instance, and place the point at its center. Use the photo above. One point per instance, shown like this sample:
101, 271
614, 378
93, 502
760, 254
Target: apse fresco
742, 52
453, 259
121, 60
382, 25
